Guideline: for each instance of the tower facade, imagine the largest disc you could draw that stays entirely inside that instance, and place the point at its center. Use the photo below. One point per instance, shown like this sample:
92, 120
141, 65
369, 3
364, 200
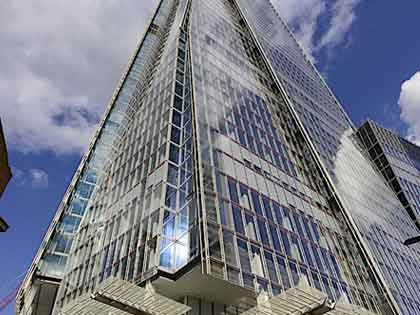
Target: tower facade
237, 175
399, 162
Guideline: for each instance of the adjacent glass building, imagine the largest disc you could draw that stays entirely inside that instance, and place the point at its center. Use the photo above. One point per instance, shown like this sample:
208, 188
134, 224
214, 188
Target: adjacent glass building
399, 162
232, 173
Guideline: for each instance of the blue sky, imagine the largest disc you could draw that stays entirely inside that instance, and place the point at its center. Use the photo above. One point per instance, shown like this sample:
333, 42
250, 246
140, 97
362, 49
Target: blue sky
61, 62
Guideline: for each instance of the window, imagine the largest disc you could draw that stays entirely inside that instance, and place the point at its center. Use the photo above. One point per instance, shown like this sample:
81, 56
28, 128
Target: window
318, 259
304, 273
295, 273
287, 223
244, 256
244, 197
181, 255
271, 267
179, 89
172, 174
166, 257
315, 230
298, 225
230, 253
248, 280
278, 213
275, 238
221, 184
250, 227
286, 243
176, 135
263, 232
325, 255
317, 282
170, 199
327, 287
237, 217
336, 267
307, 229
168, 229
283, 272
225, 215
267, 208
308, 256
176, 118
256, 203
256, 261
233, 191
174, 154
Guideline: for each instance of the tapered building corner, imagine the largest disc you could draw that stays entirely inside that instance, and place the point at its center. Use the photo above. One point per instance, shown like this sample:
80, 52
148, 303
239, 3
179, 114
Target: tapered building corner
232, 181
5, 173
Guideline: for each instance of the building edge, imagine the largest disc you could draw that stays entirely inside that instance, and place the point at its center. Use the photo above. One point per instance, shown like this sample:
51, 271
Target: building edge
28, 280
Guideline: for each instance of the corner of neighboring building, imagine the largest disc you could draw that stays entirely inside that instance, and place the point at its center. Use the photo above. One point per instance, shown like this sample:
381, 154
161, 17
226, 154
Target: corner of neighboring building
5, 173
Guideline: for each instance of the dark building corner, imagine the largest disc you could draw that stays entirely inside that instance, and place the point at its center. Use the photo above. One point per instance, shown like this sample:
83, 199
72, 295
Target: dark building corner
5, 173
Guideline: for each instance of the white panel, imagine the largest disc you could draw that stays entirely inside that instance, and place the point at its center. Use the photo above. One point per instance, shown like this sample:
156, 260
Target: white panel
262, 187
223, 143
228, 165
252, 181
236, 150
281, 195
271, 189
246, 154
290, 198
240, 172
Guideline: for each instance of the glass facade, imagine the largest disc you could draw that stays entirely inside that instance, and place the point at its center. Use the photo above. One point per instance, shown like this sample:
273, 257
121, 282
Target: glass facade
238, 161
267, 220
399, 162
366, 201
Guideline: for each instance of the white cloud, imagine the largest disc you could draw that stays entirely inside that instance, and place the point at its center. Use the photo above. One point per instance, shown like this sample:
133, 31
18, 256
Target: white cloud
18, 178
36, 177
304, 17
39, 178
60, 61
343, 17
409, 102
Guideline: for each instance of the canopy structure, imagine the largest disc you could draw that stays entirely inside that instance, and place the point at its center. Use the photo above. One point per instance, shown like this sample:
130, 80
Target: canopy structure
118, 297
299, 300
302, 300
349, 309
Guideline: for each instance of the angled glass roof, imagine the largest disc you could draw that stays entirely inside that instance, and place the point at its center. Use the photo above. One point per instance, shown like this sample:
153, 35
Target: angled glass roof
304, 299
118, 297
349, 309
298, 300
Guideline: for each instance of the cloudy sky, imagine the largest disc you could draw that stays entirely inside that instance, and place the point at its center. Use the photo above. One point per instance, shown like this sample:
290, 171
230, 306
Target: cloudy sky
60, 61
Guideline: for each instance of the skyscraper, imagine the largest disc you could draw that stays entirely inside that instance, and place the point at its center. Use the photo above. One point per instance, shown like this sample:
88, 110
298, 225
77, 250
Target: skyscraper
399, 162
231, 175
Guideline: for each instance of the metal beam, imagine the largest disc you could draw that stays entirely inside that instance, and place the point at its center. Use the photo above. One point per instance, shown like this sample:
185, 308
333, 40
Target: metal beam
412, 241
